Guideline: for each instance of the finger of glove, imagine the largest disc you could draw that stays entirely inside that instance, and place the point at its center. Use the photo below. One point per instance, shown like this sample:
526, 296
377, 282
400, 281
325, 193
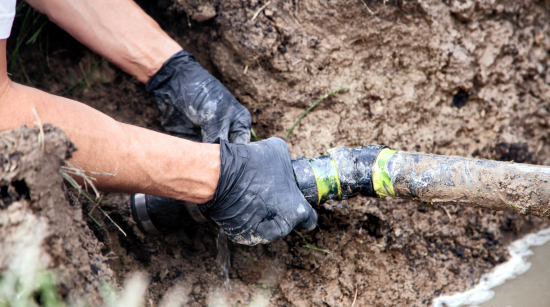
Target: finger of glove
239, 132
308, 217
212, 132
270, 230
219, 124
242, 137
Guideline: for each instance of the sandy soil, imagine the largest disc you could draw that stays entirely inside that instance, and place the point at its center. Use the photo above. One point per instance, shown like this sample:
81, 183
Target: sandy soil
466, 78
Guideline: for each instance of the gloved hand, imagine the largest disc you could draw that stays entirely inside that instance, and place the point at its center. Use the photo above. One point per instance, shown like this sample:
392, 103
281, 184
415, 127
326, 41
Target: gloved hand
257, 199
195, 105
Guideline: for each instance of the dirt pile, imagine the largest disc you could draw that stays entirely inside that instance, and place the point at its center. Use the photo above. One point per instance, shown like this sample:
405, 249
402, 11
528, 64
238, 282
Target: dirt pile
454, 77
37, 221
435, 76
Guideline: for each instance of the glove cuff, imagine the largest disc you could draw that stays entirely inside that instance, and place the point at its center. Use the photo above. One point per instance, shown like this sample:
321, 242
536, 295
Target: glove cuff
233, 161
168, 69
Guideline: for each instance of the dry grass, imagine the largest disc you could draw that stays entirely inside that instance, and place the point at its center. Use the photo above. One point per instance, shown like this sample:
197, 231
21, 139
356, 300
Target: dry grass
69, 170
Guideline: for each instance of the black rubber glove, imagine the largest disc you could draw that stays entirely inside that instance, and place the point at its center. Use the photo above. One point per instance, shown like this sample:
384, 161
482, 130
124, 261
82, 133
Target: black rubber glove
257, 199
195, 105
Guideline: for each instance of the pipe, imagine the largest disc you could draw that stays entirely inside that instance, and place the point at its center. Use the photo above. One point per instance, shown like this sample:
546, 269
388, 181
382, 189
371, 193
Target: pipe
493, 185
378, 171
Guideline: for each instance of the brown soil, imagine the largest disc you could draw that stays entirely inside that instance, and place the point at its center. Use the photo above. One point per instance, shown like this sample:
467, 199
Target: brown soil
34, 210
455, 77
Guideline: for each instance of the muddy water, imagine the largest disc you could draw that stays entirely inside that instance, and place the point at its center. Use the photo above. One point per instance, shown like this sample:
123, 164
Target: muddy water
520, 281
224, 258
529, 289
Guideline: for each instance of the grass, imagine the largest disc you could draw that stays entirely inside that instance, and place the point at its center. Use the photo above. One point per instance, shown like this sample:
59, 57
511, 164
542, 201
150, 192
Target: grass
82, 82
355, 298
426, 204
311, 247
70, 169
14, 291
313, 106
254, 135
32, 26
21, 287
254, 262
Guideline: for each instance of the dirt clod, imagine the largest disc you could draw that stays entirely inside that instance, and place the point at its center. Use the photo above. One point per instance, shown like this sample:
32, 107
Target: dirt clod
34, 210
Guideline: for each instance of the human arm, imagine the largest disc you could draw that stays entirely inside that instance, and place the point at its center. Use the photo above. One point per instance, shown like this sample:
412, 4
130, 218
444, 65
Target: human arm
193, 103
144, 161
118, 30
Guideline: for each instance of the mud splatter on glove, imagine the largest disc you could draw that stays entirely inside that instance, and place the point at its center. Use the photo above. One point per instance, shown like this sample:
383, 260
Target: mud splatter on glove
257, 199
195, 105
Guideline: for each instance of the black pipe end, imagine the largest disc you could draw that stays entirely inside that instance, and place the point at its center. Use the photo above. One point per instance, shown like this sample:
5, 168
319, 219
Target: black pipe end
133, 209
140, 214
156, 214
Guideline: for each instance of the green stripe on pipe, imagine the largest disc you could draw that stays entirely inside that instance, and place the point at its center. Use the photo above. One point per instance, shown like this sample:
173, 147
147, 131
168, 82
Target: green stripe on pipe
381, 180
326, 176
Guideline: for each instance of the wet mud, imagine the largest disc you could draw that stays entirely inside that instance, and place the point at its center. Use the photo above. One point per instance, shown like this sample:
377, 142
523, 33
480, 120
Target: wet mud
464, 78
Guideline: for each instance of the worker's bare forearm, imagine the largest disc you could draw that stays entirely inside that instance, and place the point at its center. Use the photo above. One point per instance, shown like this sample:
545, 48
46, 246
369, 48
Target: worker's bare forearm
119, 30
143, 160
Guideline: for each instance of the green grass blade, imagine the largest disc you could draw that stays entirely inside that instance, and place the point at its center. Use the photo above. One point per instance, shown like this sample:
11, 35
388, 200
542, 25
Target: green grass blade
48, 292
29, 82
317, 248
35, 35
254, 135
313, 106
81, 81
70, 180
76, 186
300, 235
20, 6
73, 173
110, 219
312, 247
254, 262
98, 223
19, 39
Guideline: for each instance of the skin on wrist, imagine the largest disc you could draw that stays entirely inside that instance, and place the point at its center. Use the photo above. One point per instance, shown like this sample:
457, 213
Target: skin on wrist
178, 168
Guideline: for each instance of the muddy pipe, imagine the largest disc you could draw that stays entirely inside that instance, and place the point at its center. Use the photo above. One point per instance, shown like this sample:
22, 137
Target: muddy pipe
378, 171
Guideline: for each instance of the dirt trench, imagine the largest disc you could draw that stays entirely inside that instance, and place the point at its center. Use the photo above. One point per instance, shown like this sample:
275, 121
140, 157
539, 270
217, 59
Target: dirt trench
466, 78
